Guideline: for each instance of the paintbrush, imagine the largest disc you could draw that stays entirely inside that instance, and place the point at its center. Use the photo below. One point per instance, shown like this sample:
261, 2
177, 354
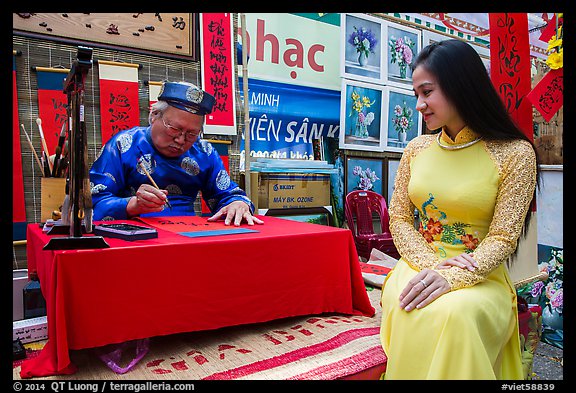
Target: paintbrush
153, 182
44, 145
62, 167
56, 166
58, 152
46, 166
63, 161
33, 150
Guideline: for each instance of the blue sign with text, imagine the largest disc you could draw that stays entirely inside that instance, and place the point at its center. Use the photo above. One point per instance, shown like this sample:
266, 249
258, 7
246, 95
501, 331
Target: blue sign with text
284, 118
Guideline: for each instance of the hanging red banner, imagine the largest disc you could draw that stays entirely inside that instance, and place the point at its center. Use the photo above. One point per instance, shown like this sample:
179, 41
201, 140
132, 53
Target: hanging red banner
18, 204
548, 95
510, 65
217, 61
52, 103
119, 107
549, 30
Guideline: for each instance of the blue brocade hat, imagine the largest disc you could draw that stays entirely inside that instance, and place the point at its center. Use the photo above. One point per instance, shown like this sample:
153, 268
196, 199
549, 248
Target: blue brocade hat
187, 97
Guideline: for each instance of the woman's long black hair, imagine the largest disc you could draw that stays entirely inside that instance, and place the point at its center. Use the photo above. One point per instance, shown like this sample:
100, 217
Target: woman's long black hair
466, 84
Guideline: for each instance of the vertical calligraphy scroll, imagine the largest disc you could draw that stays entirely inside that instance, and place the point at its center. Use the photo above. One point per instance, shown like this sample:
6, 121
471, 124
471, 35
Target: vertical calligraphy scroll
510, 65
52, 103
118, 97
217, 60
153, 92
18, 205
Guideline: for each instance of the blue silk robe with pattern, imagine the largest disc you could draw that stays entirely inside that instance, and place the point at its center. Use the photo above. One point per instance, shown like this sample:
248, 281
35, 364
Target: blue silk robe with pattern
116, 175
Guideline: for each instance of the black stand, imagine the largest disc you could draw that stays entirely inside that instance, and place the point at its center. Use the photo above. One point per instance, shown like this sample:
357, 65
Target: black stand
76, 243
80, 198
62, 230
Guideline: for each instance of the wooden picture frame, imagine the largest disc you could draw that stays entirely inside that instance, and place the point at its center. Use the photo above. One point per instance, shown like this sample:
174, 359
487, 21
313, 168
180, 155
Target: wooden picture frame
364, 173
403, 121
362, 116
354, 64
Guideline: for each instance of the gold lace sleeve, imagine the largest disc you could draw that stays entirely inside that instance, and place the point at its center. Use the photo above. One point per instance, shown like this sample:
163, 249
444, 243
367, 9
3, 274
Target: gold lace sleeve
516, 163
412, 246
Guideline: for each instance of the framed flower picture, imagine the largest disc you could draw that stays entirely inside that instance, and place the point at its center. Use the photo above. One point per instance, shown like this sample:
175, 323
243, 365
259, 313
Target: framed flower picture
404, 122
364, 173
402, 47
361, 120
361, 48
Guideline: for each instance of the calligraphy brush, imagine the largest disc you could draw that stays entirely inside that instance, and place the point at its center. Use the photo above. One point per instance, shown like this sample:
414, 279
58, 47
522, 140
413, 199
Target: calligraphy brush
63, 161
59, 147
33, 150
62, 167
44, 145
153, 182
46, 166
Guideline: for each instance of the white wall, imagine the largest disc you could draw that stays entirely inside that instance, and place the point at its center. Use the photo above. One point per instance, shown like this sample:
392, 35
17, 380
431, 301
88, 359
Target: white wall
549, 206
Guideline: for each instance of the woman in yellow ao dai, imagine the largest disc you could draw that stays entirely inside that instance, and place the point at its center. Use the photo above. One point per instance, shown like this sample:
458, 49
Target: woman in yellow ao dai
449, 307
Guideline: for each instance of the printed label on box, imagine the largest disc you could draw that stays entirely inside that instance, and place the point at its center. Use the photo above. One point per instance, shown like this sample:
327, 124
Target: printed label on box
30, 330
294, 191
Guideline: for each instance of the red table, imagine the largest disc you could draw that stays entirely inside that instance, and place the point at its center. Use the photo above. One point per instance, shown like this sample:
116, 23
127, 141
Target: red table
173, 284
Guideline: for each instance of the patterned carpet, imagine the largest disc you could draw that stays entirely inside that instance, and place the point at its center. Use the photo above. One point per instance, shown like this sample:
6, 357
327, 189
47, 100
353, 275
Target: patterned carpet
320, 347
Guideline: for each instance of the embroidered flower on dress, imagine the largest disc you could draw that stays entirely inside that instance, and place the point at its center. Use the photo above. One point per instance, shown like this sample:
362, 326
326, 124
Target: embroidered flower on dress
469, 241
433, 228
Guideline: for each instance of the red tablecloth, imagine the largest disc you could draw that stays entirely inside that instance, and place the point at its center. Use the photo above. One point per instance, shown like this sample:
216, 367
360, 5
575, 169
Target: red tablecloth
174, 283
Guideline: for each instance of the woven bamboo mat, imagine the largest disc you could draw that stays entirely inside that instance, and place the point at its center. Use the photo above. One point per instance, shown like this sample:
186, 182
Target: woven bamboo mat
323, 347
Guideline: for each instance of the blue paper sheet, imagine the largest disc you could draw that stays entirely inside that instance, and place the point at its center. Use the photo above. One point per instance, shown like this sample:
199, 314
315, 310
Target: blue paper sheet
217, 232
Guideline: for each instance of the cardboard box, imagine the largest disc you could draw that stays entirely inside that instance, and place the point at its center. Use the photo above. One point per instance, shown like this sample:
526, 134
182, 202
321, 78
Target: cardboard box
30, 330
19, 281
53, 192
34, 303
290, 190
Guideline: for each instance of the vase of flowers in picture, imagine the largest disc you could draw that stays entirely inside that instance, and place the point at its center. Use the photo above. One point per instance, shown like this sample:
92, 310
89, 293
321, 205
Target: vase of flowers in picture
363, 119
366, 178
401, 53
364, 41
403, 120
551, 291
549, 295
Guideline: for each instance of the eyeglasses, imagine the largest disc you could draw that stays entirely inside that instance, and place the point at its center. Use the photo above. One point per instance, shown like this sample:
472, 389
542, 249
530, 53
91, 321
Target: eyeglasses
177, 133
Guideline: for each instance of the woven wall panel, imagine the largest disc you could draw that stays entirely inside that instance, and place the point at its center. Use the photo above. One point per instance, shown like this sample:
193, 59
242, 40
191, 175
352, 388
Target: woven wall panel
43, 53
